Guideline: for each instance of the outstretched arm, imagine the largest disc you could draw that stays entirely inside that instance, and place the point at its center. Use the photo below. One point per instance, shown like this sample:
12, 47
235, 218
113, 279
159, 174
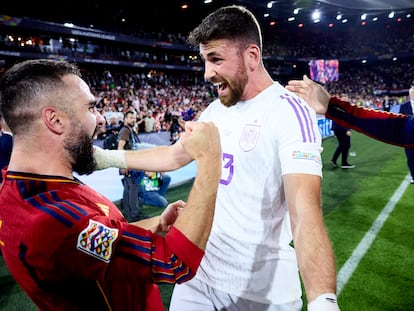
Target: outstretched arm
391, 128
150, 158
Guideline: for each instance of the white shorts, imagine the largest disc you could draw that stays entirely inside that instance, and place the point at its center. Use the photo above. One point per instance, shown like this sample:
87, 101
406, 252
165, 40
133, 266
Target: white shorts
197, 296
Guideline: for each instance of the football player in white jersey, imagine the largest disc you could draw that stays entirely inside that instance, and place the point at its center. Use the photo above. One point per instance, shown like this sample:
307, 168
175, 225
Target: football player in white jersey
269, 192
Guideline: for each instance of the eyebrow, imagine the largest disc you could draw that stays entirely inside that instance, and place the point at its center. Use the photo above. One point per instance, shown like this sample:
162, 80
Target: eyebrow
211, 54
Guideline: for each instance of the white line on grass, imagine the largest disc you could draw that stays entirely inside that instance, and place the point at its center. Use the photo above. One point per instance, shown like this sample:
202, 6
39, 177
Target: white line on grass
350, 265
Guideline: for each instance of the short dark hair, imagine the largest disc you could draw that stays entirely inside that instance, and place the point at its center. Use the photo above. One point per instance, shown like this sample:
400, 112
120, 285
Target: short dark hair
128, 112
232, 22
23, 86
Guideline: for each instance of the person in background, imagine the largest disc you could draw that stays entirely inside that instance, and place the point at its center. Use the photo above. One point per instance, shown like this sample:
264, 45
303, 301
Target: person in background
6, 145
387, 103
408, 109
343, 136
128, 140
111, 138
152, 188
149, 122
391, 128
269, 191
175, 129
69, 247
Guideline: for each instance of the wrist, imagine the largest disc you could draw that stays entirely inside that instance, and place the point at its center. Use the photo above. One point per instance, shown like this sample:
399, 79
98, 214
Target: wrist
324, 302
109, 158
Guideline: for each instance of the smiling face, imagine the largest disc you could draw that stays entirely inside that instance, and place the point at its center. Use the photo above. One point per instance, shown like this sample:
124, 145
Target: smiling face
225, 68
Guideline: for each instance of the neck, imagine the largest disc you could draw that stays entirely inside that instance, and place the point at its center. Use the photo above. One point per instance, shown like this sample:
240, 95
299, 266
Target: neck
258, 85
44, 160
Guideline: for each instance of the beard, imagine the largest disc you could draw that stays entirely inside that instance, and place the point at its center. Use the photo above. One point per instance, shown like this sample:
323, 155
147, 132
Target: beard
235, 87
80, 149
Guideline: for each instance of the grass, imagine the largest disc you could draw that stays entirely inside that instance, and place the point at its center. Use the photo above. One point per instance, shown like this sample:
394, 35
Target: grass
351, 200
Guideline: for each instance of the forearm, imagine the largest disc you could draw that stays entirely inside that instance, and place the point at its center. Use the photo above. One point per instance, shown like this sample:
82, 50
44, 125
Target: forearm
313, 249
152, 224
315, 258
160, 158
392, 128
196, 219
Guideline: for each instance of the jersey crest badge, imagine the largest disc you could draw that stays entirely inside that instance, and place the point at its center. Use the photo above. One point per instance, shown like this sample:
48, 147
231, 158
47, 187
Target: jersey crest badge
96, 240
249, 137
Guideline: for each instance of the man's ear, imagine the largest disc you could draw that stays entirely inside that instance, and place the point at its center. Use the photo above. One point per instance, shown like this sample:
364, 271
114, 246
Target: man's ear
52, 120
253, 56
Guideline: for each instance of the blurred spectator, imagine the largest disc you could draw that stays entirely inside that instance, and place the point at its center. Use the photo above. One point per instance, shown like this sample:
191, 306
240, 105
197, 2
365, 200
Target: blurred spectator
149, 122
175, 130
408, 109
153, 187
111, 139
128, 140
343, 136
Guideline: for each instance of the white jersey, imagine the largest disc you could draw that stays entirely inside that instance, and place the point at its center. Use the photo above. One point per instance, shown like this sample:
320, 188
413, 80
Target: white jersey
248, 252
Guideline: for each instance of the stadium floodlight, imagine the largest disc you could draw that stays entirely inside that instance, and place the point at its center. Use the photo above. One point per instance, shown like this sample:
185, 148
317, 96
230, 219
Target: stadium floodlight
316, 14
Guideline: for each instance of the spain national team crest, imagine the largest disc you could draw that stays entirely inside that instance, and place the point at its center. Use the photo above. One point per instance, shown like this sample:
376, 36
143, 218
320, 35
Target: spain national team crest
249, 137
97, 240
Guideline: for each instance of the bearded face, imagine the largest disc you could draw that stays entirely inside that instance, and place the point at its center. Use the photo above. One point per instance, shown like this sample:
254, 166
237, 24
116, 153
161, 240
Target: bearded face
80, 149
231, 89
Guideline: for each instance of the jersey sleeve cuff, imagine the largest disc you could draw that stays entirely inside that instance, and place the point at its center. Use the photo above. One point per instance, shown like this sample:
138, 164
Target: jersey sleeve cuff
186, 250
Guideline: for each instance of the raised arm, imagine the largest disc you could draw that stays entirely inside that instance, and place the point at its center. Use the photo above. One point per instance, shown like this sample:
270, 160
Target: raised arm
201, 141
391, 128
152, 158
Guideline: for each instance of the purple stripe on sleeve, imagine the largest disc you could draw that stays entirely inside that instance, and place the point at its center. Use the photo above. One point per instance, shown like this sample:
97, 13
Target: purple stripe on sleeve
305, 121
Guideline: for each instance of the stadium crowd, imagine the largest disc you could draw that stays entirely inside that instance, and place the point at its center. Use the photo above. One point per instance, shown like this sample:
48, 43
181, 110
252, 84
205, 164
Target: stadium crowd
183, 94
166, 95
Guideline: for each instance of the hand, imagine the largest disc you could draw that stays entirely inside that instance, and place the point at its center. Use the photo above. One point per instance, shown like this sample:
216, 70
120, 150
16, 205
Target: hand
201, 139
170, 214
313, 93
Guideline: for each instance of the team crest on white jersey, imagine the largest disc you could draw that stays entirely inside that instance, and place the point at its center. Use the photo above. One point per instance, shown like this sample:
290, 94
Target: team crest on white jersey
249, 137
97, 240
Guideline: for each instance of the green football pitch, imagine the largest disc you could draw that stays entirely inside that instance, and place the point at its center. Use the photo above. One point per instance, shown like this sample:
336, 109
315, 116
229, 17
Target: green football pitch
369, 214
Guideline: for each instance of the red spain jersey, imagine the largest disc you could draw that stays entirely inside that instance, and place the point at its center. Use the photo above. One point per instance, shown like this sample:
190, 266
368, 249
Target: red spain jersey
392, 128
69, 248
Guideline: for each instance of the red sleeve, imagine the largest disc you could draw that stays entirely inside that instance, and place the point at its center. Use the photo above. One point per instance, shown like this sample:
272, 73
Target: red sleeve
184, 248
174, 259
391, 128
